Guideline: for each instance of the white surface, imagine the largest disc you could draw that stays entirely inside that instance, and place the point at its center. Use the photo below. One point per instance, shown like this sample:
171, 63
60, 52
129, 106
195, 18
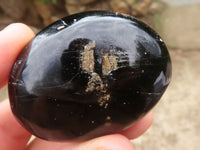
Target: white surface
180, 2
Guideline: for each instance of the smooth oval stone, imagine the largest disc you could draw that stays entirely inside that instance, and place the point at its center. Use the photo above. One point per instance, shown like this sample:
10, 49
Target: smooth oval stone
88, 75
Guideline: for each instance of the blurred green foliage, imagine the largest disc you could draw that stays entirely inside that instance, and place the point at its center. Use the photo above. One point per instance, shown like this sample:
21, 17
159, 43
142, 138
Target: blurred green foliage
47, 1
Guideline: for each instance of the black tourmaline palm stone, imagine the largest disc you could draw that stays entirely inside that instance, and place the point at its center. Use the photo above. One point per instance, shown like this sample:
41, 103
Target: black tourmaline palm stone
88, 75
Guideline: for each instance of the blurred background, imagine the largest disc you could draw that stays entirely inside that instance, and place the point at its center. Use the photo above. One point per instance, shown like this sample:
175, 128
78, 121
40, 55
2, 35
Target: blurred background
177, 123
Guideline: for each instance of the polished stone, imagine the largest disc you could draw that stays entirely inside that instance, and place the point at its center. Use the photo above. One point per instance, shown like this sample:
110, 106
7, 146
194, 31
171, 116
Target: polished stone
88, 75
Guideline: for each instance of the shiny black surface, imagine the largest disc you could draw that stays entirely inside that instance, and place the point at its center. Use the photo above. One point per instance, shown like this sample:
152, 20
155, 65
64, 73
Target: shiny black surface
58, 92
